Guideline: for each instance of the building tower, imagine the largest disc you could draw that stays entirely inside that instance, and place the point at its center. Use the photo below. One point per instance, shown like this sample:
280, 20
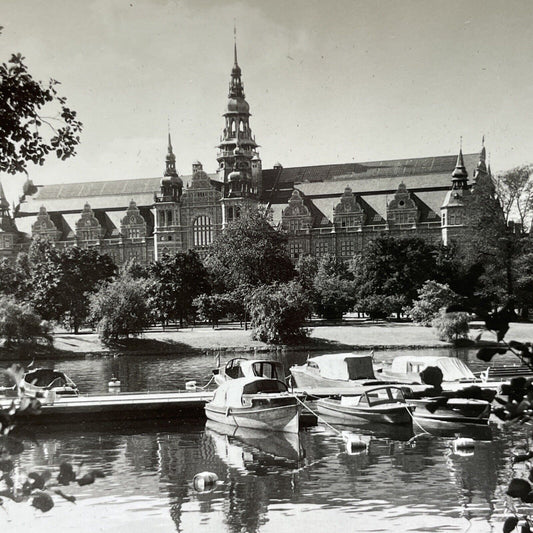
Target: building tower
167, 208
453, 210
239, 165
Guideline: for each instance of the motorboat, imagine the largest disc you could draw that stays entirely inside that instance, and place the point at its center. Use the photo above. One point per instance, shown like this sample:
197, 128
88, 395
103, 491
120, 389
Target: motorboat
455, 373
335, 370
450, 410
385, 404
241, 367
41, 380
255, 402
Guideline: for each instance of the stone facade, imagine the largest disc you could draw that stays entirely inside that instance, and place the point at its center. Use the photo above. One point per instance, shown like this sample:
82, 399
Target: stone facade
327, 209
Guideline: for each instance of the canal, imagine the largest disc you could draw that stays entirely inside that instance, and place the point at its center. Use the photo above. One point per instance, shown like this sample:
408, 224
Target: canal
267, 483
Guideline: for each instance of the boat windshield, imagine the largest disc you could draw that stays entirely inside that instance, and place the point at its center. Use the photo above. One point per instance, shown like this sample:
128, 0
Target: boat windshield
267, 369
45, 377
380, 396
264, 385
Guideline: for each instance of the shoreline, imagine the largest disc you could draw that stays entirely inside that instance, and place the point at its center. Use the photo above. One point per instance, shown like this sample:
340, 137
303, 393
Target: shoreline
349, 336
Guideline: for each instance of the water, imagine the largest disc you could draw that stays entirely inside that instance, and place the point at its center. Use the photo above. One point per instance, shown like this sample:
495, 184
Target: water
266, 483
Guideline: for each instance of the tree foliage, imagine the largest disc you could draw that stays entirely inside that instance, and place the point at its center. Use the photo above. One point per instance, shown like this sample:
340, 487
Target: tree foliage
249, 252
278, 312
19, 323
451, 327
432, 297
514, 189
177, 280
62, 280
391, 270
35, 120
333, 287
120, 308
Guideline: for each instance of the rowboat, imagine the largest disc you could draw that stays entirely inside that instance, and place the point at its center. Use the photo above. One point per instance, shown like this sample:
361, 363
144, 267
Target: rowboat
385, 404
257, 403
450, 410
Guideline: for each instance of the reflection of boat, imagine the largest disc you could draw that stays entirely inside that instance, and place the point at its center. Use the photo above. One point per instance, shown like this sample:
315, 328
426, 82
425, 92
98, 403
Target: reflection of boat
258, 403
455, 373
456, 410
384, 404
336, 370
278, 444
240, 367
47, 379
398, 432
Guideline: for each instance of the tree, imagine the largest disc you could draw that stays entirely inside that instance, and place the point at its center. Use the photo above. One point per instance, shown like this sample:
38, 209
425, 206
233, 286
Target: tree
29, 110
212, 307
250, 252
278, 312
391, 270
15, 277
334, 288
514, 189
432, 297
62, 280
120, 308
19, 323
177, 280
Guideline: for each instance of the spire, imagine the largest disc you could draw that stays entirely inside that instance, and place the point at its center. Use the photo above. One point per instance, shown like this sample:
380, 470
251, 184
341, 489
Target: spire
460, 175
170, 169
481, 168
235, 44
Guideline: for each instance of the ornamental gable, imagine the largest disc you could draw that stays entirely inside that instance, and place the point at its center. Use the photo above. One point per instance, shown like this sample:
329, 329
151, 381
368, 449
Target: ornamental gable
87, 227
133, 224
348, 212
44, 226
402, 209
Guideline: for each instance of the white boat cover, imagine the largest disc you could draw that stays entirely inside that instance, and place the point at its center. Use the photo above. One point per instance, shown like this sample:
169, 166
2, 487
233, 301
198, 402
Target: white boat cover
453, 369
230, 393
344, 366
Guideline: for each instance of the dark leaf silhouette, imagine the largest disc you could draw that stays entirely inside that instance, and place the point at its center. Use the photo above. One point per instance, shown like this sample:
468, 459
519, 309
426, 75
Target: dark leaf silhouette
97, 473
43, 501
486, 354
518, 488
522, 457
509, 524
66, 474
87, 479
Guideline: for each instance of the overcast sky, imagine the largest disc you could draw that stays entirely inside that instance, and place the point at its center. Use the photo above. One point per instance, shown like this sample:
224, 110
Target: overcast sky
327, 81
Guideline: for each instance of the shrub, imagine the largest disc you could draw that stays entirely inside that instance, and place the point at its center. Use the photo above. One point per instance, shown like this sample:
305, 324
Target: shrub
278, 312
20, 323
120, 309
451, 327
432, 297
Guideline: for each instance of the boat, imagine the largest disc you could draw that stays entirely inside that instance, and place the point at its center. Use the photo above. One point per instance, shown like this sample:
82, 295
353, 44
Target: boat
450, 410
257, 403
385, 404
41, 380
455, 373
241, 367
335, 370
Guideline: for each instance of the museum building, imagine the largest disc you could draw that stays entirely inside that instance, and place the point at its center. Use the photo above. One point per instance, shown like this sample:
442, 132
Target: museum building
325, 209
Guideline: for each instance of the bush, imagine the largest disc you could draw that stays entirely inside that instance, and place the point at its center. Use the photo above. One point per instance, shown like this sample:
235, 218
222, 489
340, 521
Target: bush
432, 297
278, 312
451, 327
20, 323
120, 309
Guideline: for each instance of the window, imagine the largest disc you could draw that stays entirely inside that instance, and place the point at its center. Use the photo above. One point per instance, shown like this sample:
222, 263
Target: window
202, 231
321, 248
347, 248
295, 249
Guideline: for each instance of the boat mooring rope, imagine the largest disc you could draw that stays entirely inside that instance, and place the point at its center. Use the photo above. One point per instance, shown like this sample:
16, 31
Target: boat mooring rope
318, 416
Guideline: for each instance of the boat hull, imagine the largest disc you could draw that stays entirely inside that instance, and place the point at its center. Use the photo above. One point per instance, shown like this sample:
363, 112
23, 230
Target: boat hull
389, 414
452, 410
273, 414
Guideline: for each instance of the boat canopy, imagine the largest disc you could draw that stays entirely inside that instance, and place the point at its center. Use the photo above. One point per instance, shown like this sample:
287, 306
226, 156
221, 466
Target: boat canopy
344, 366
230, 393
453, 369
241, 367
44, 377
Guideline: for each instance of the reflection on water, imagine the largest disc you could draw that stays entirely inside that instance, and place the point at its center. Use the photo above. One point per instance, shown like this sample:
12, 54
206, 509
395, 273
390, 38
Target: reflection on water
306, 482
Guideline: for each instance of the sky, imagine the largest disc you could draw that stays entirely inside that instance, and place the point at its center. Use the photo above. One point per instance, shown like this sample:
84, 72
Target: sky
327, 82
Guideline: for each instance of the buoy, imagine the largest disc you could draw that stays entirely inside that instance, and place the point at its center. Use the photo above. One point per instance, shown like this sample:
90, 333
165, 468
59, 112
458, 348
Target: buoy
114, 384
204, 481
354, 444
190, 385
464, 444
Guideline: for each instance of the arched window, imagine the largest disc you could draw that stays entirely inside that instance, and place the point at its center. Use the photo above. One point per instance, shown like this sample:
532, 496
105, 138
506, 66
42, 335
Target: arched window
202, 231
